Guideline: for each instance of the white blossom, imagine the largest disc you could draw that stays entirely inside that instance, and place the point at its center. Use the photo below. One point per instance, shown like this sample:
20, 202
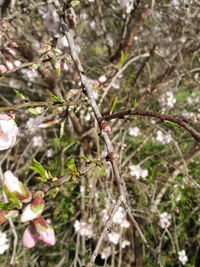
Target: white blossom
138, 172
125, 243
182, 257
4, 245
102, 79
38, 141
83, 228
165, 220
163, 138
106, 252
134, 131
113, 237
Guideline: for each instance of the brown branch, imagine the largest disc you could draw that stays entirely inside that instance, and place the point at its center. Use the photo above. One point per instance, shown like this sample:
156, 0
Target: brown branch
163, 117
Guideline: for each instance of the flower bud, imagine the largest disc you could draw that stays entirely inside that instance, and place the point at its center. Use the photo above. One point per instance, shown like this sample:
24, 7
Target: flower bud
44, 231
3, 68
34, 209
8, 132
30, 237
64, 66
13, 185
106, 127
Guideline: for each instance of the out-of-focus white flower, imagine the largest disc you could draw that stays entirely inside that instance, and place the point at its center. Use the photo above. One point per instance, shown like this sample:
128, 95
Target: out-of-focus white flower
163, 138
93, 25
106, 252
167, 101
29, 74
134, 131
4, 245
104, 215
138, 172
83, 228
102, 79
165, 220
119, 216
125, 243
87, 117
49, 153
62, 43
8, 132
125, 224
182, 257
113, 237
37, 141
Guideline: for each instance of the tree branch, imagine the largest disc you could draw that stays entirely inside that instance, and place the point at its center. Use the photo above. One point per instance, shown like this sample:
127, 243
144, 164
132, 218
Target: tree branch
163, 117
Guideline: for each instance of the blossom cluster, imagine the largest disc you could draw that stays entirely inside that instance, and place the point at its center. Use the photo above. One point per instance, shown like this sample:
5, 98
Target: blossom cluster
138, 172
165, 220
30, 205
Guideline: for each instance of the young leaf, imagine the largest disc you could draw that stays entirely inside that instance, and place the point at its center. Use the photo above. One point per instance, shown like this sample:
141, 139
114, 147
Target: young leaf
71, 165
123, 58
113, 104
19, 94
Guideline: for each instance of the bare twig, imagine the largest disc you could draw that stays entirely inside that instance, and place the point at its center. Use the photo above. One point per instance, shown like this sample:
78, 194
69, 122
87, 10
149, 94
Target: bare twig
163, 117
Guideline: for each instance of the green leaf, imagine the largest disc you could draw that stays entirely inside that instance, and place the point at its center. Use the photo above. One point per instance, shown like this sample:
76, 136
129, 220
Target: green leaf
75, 3
134, 102
37, 167
19, 94
71, 165
15, 202
123, 58
113, 104
84, 158
5, 206
53, 193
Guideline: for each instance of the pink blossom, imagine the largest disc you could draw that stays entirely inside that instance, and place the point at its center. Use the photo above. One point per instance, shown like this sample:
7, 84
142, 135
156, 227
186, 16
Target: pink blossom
3, 68
34, 209
64, 66
44, 231
13, 185
8, 132
30, 238
106, 127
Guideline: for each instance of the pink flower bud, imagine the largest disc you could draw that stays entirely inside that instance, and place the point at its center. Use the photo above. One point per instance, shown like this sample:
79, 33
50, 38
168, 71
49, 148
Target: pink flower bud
34, 209
13, 185
3, 68
11, 51
44, 231
106, 127
13, 44
64, 66
8, 132
30, 237
50, 54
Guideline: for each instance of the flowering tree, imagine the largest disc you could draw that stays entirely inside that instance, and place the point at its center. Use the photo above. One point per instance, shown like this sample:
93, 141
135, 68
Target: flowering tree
99, 113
